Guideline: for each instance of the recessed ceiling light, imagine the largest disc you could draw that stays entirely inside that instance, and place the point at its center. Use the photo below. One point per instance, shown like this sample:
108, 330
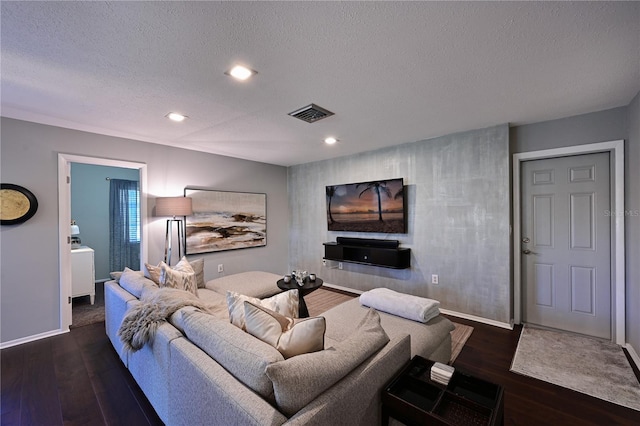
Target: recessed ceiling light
241, 73
174, 116
330, 140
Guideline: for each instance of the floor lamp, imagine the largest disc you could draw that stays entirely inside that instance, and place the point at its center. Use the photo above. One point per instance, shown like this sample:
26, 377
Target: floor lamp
173, 206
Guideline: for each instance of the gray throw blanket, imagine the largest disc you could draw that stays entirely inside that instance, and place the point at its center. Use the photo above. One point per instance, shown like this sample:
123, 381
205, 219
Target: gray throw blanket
140, 324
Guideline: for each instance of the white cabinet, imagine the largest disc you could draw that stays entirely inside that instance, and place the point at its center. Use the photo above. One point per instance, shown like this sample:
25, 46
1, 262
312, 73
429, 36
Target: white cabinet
83, 276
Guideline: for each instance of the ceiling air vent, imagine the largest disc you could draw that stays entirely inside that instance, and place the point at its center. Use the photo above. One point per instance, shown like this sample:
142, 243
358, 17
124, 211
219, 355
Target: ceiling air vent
311, 113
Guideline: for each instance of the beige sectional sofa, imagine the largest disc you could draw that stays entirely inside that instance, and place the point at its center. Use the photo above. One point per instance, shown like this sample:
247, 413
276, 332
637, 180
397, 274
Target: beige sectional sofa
201, 369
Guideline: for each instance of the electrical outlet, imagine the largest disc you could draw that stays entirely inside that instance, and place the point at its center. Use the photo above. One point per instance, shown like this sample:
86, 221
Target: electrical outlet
434, 279
339, 265
220, 268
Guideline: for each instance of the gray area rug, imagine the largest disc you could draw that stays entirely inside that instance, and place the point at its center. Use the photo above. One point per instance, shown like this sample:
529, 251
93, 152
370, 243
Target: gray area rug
84, 313
591, 366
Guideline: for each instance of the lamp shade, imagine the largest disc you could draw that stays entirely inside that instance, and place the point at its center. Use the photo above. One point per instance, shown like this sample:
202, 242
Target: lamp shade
75, 230
173, 206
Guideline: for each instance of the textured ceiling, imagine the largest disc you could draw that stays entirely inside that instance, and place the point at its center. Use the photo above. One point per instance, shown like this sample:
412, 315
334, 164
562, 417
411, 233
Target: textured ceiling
392, 72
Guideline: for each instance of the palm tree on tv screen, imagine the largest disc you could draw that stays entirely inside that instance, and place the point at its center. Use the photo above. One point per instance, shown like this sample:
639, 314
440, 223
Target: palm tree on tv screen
331, 191
376, 187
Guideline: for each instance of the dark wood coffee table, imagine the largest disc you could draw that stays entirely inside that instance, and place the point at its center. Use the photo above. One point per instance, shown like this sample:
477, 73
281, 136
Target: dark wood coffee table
414, 399
303, 290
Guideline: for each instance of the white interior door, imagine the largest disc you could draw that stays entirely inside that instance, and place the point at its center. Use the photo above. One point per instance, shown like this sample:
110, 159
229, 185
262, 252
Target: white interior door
565, 243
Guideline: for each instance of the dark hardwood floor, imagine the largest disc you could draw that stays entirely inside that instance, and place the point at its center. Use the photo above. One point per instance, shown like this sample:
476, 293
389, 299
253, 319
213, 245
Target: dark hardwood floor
488, 354
77, 379
71, 379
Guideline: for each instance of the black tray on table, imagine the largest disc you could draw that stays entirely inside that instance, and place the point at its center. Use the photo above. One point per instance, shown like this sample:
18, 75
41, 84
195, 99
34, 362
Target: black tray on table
414, 398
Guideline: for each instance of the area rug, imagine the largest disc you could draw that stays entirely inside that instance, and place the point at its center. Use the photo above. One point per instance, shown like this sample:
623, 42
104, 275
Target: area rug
591, 366
459, 337
84, 313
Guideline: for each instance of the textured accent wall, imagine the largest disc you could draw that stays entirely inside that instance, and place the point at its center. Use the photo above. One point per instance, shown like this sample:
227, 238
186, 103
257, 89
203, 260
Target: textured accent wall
458, 226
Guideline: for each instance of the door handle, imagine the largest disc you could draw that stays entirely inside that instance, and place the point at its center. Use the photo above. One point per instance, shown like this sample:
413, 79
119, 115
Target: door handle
527, 251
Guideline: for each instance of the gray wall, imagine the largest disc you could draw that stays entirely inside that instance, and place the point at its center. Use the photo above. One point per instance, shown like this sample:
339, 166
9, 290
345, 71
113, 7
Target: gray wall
582, 129
458, 197
29, 251
609, 125
632, 224
90, 208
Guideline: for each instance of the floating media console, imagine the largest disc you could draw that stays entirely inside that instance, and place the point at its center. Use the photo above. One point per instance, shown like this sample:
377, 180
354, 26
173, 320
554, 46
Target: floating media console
385, 253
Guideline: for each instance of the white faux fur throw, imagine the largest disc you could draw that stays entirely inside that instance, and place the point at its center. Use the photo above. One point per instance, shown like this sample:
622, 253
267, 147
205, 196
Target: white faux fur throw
140, 324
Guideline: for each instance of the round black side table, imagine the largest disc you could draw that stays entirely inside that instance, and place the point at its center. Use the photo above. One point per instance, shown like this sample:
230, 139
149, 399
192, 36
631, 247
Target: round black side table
303, 290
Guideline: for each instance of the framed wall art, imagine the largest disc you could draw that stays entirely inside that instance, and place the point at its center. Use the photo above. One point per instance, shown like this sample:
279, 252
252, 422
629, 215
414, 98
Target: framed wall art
224, 220
18, 204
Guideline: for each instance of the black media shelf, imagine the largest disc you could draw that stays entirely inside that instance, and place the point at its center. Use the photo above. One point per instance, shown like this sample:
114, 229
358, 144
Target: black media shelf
384, 253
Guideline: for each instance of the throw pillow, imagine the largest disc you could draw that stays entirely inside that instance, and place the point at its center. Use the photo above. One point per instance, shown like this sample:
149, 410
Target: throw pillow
183, 280
289, 337
153, 272
292, 377
285, 303
134, 282
196, 265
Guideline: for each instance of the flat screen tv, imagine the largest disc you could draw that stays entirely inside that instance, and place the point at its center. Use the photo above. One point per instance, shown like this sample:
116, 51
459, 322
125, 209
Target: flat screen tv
376, 206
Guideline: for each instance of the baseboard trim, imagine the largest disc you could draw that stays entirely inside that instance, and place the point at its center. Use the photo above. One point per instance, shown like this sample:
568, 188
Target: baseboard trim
341, 288
634, 355
508, 326
33, 338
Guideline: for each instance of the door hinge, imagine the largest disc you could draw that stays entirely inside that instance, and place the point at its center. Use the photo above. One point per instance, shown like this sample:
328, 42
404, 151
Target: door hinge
68, 239
68, 179
69, 299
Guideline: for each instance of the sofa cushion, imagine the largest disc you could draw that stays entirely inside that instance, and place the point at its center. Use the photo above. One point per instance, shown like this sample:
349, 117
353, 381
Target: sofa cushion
257, 284
210, 297
425, 338
289, 337
241, 354
134, 282
115, 275
285, 303
300, 379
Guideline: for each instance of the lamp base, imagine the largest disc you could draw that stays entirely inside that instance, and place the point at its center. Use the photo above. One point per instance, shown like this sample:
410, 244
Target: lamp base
168, 243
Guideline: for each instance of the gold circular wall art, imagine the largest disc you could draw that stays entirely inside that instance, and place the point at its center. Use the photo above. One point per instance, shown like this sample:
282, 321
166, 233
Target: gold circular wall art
18, 204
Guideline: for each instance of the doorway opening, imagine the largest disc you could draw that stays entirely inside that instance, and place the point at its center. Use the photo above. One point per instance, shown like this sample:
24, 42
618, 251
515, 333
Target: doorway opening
64, 206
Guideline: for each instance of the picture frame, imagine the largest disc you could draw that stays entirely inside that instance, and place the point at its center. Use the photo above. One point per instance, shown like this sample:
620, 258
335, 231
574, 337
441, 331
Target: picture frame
225, 220
18, 204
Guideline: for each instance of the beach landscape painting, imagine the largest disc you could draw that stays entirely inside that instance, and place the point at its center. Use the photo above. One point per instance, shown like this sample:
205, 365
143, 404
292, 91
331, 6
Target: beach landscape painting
376, 206
224, 220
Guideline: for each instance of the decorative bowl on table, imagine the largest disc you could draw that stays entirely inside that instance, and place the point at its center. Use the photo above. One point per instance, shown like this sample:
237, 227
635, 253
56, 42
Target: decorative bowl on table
299, 276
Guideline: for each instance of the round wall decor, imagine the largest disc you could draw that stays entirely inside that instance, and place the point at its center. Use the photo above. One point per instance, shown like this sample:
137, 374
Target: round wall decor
18, 204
